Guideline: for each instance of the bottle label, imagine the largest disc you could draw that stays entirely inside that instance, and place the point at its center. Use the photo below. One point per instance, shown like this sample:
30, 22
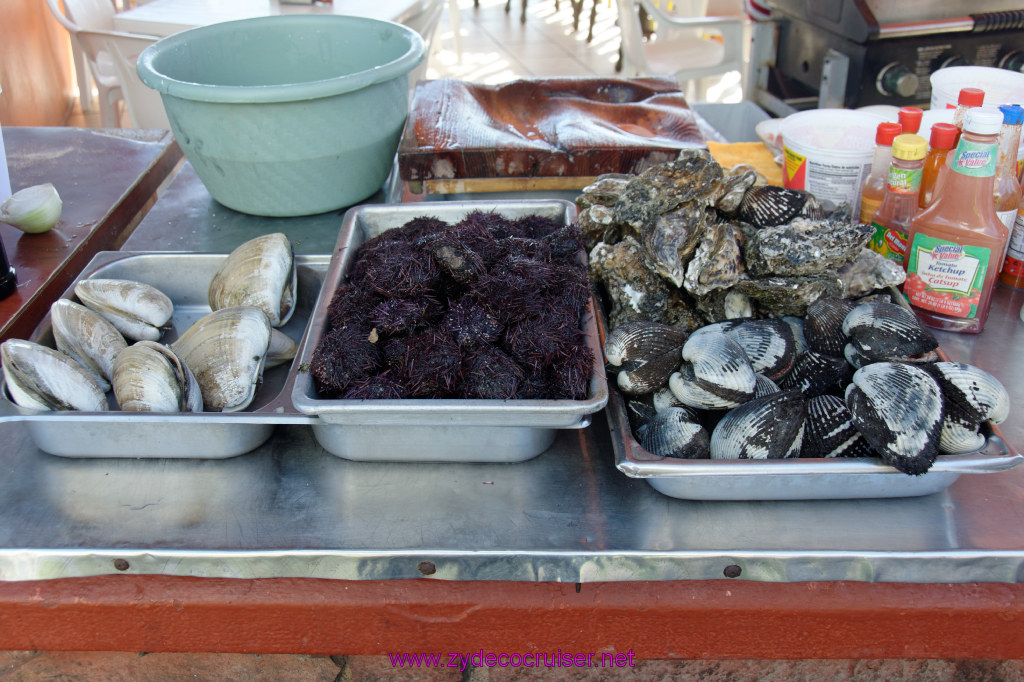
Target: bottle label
975, 159
904, 180
946, 277
1007, 217
1015, 246
888, 242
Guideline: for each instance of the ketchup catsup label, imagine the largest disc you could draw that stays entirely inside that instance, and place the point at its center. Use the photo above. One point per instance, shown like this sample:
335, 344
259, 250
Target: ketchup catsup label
946, 277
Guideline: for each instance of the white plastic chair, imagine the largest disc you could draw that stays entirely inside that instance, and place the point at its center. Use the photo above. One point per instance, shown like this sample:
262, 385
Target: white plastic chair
425, 23
144, 104
93, 15
686, 43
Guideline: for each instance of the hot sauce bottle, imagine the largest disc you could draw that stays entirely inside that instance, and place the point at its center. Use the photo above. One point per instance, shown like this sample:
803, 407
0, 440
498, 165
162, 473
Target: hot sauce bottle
874, 185
942, 140
900, 203
910, 119
956, 245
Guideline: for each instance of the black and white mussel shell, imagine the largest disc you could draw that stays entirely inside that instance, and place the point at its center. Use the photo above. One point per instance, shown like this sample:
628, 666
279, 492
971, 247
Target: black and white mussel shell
830, 431
673, 432
644, 353
879, 331
898, 408
716, 373
763, 428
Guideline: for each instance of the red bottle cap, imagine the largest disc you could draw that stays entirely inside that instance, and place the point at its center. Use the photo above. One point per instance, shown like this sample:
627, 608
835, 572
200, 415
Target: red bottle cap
972, 97
887, 132
910, 119
943, 136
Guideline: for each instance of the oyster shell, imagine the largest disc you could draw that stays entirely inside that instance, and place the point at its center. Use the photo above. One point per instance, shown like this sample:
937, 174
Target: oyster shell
718, 261
764, 428
669, 243
898, 408
870, 271
830, 432
261, 273
633, 291
886, 331
88, 337
41, 378
674, 433
597, 223
782, 296
149, 377
604, 190
735, 183
225, 351
138, 310
694, 176
804, 247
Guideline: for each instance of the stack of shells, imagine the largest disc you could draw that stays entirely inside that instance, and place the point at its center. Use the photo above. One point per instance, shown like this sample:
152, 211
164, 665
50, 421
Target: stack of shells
686, 243
745, 324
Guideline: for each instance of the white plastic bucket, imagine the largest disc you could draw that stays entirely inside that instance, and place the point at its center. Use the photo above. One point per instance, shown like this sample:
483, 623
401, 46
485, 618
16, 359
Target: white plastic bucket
828, 152
1001, 86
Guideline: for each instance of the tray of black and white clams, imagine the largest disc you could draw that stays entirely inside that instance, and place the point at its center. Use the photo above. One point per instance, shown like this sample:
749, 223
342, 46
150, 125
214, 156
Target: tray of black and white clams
760, 352
166, 354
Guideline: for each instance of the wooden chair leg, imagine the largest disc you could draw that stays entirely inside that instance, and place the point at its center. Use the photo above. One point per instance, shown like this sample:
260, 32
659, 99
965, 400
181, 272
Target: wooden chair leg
593, 20
522, 17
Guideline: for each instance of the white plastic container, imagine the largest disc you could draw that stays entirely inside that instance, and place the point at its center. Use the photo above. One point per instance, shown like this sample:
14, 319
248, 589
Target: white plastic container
828, 152
1001, 86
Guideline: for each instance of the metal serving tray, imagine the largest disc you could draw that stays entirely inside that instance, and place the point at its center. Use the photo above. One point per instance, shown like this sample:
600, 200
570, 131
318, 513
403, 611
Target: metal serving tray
184, 277
423, 430
793, 479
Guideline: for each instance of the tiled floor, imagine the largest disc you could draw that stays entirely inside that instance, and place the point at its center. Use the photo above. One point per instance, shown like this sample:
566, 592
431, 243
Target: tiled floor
495, 47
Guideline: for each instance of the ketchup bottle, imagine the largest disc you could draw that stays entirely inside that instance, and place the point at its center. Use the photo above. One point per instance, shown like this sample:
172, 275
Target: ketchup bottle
957, 244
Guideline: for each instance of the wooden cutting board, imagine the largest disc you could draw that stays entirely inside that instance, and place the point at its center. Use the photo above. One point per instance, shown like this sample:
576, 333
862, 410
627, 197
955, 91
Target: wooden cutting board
564, 131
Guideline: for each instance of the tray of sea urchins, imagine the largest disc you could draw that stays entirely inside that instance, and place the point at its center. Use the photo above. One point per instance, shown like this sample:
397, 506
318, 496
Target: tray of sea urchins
452, 332
761, 352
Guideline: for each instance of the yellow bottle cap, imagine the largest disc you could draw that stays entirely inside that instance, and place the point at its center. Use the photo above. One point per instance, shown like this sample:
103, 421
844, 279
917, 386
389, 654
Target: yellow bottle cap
909, 147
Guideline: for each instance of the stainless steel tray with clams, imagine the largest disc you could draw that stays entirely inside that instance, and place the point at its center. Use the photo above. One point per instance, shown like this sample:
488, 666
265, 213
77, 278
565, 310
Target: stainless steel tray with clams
438, 429
760, 449
236, 423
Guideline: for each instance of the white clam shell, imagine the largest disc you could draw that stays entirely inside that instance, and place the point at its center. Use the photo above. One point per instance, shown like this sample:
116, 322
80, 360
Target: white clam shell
88, 337
261, 273
41, 378
137, 310
282, 349
225, 351
149, 377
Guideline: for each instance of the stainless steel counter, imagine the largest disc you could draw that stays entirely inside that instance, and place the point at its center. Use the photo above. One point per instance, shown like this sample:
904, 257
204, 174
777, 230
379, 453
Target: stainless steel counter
289, 509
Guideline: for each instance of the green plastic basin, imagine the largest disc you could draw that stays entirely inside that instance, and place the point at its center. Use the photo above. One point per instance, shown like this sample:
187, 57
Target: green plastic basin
287, 115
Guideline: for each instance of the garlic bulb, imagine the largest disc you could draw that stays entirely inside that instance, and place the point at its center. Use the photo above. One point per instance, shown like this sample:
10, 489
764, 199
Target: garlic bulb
34, 209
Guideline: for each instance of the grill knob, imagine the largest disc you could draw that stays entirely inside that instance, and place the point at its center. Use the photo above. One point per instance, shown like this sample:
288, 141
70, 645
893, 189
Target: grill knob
896, 80
955, 60
1014, 61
